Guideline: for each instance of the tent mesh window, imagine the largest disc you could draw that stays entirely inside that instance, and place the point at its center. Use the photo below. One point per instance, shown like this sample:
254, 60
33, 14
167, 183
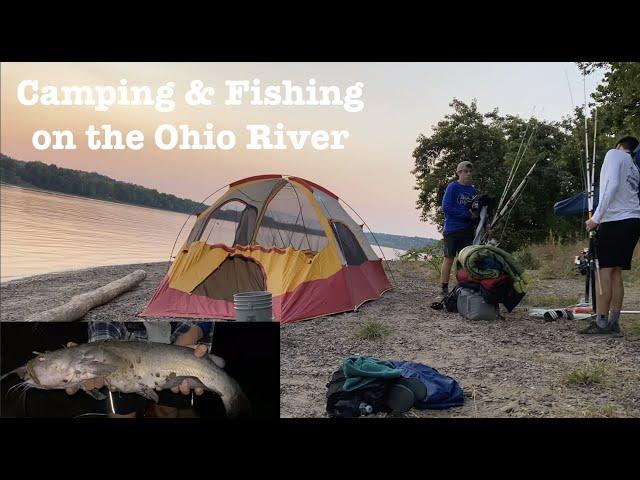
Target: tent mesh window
351, 249
230, 224
290, 221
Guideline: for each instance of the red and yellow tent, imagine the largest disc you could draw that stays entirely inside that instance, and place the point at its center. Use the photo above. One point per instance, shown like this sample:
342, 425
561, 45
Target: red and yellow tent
285, 235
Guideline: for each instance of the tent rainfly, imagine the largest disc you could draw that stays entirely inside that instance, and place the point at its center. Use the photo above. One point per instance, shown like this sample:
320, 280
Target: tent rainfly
281, 234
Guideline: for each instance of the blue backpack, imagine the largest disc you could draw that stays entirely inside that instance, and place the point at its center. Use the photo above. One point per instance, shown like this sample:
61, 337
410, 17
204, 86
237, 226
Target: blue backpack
442, 391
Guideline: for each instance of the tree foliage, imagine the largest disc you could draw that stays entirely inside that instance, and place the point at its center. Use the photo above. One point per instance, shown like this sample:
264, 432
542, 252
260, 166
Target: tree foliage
491, 142
85, 184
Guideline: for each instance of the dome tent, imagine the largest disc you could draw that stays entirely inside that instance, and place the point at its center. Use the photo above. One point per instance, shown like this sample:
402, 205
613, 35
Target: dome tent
286, 235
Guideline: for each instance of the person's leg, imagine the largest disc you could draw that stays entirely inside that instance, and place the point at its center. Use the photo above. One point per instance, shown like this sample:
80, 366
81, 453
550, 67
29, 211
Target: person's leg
163, 411
450, 252
603, 300
617, 296
126, 415
445, 272
124, 405
601, 324
172, 405
617, 290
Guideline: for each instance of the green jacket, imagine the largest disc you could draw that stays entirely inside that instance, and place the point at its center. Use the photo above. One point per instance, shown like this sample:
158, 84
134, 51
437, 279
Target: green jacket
363, 370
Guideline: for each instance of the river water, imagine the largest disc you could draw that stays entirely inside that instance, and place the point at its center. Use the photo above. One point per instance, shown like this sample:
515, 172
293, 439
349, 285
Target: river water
44, 232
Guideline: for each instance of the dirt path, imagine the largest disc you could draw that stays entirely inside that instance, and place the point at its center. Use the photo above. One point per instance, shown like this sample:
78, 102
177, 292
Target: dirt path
512, 367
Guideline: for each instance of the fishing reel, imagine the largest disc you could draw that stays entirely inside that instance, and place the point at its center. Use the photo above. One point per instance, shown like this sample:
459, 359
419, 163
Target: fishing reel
481, 200
581, 262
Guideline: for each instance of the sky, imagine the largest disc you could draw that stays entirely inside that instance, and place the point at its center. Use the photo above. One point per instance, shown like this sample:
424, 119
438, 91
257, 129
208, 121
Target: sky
373, 171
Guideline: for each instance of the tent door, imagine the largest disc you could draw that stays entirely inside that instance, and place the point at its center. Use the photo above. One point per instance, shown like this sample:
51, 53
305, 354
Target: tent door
236, 274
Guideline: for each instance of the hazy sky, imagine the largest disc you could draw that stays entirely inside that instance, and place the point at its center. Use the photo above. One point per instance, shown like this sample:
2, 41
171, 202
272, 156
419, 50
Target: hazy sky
372, 173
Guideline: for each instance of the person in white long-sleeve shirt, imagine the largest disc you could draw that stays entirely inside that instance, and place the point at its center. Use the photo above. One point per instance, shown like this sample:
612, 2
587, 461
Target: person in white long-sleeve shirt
617, 219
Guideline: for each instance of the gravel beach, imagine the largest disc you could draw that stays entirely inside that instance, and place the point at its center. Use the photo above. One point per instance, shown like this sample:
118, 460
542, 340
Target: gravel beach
25, 296
513, 367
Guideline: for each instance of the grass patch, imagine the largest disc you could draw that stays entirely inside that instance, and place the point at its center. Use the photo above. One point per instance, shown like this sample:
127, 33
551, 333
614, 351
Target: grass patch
373, 330
551, 301
606, 411
630, 325
589, 374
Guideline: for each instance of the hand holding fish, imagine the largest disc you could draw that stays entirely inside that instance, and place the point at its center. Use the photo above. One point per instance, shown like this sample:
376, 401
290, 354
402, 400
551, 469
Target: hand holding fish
134, 367
199, 351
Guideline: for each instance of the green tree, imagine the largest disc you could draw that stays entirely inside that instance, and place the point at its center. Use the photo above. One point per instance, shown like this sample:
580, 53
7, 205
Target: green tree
617, 98
492, 142
465, 134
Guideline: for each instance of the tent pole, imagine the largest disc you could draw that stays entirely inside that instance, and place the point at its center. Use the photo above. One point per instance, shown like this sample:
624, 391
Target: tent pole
185, 222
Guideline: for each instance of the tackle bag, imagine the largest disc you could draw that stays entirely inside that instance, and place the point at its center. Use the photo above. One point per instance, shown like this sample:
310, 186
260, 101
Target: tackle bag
349, 404
472, 306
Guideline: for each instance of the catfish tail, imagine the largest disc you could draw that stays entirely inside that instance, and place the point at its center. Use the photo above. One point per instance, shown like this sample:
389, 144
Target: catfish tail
237, 405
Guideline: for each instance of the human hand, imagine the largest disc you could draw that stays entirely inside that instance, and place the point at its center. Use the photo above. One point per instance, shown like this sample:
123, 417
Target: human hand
199, 351
590, 225
92, 383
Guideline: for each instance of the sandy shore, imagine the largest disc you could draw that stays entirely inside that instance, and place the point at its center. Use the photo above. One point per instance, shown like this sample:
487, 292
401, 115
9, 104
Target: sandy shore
511, 367
26, 296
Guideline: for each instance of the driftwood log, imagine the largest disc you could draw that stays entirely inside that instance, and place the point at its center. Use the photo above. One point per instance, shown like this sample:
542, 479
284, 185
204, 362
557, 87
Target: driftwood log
79, 305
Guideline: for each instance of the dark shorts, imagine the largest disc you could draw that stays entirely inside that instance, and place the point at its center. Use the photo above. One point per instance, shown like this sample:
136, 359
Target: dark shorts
125, 403
456, 241
616, 242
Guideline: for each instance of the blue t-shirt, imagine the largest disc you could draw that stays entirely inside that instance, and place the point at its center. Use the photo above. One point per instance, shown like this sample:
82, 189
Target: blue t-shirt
457, 216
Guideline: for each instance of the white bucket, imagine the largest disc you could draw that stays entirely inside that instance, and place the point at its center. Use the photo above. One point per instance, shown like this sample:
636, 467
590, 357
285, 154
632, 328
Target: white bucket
253, 306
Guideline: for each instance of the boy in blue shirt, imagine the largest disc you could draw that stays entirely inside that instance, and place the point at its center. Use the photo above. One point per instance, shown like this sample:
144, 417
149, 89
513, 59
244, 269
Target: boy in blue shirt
459, 220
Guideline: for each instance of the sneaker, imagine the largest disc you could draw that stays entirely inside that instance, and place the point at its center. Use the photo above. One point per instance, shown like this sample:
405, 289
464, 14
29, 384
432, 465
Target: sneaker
594, 329
615, 327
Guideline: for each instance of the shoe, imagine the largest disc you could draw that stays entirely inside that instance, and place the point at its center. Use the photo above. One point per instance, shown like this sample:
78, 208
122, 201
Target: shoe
444, 292
416, 386
437, 305
551, 315
400, 398
594, 329
615, 327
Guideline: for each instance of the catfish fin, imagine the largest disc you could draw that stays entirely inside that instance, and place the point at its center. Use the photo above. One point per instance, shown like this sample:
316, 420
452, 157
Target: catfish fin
148, 393
219, 361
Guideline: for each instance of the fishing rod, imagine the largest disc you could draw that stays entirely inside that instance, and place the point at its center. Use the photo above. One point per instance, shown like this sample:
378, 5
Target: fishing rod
592, 254
505, 208
502, 208
509, 204
514, 169
516, 164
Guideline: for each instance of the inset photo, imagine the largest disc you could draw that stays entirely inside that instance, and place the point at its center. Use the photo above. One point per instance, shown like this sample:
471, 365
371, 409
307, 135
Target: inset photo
140, 369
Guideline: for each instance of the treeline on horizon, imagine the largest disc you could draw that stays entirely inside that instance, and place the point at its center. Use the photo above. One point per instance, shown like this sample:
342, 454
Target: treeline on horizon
492, 141
92, 185
399, 242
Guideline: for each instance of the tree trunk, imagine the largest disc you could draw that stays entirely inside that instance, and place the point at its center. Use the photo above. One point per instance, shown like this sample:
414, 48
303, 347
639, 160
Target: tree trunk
79, 305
